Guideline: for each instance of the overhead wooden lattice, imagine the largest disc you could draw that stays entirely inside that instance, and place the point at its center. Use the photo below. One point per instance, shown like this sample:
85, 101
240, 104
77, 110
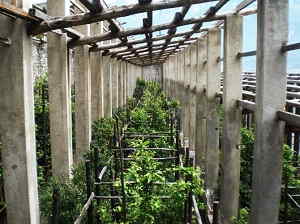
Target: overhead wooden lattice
125, 49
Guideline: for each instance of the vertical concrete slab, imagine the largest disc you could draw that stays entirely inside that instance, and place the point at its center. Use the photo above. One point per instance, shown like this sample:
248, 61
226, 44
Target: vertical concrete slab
120, 84
59, 96
232, 91
107, 90
201, 103
96, 77
193, 95
82, 78
172, 76
187, 74
181, 87
212, 121
164, 76
272, 32
17, 125
125, 65
115, 83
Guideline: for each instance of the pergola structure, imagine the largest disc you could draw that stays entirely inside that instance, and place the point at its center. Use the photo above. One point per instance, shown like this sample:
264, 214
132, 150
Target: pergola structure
105, 76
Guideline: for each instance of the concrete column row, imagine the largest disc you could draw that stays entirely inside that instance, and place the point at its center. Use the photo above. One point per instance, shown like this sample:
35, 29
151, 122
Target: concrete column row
198, 66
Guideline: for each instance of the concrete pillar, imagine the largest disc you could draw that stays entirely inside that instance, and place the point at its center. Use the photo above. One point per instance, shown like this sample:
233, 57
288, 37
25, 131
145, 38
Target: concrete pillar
107, 90
59, 96
120, 84
232, 91
201, 103
181, 87
270, 97
82, 78
115, 84
193, 95
125, 65
128, 82
186, 103
171, 75
164, 76
96, 77
17, 126
212, 121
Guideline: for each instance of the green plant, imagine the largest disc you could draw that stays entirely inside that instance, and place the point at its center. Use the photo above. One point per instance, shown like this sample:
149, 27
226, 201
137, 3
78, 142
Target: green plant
243, 217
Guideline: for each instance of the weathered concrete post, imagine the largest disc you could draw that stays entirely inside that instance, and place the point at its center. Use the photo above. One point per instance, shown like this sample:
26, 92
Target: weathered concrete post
125, 65
181, 87
193, 95
212, 121
17, 126
59, 96
201, 102
82, 78
115, 84
186, 104
96, 77
172, 76
232, 91
270, 97
166, 65
107, 90
120, 84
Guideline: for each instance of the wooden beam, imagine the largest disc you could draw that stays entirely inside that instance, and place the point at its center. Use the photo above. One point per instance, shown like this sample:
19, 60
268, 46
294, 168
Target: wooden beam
141, 41
146, 47
290, 47
93, 6
141, 30
115, 12
13, 11
244, 4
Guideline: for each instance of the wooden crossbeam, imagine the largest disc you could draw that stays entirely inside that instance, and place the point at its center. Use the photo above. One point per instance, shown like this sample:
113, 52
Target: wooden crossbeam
13, 11
141, 41
178, 18
93, 6
141, 30
115, 53
111, 13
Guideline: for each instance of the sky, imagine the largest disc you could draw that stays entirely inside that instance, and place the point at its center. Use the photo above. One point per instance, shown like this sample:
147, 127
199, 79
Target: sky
249, 42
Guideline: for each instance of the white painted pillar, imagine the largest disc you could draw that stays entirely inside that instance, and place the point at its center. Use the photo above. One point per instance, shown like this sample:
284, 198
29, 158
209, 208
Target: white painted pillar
232, 91
59, 96
272, 32
17, 126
